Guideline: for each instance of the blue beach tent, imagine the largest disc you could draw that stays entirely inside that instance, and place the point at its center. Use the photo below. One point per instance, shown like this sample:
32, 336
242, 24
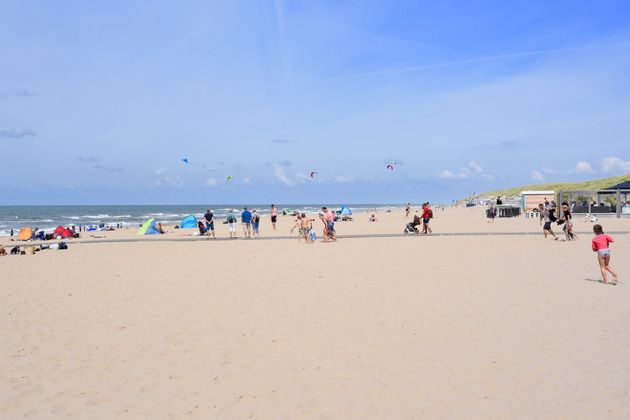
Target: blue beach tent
345, 211
149, 228
188, 222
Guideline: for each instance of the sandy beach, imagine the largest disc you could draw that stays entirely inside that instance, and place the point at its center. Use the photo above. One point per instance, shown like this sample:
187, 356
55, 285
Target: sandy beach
460, 326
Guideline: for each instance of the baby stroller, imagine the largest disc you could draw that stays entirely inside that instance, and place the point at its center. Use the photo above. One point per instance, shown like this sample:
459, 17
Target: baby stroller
411, 228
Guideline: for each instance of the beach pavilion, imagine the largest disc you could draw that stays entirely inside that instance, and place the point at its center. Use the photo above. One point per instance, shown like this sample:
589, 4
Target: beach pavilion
612, 200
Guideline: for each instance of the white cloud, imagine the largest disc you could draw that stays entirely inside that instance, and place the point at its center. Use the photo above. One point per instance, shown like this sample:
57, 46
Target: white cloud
446, 174
341, 179
164, 179
472, 170
475, 167
278, 171
247, 180
536, 175
212, 182
583, 166
615, 164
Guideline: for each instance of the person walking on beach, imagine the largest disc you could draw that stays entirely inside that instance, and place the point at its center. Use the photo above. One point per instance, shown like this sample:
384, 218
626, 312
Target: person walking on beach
600, 246
567, 220
246, 218
325, 227
330, 224
231, 222
407, 210
546, 215
209, 222
255, 223
426, 218
491, 213
274, 216
298, 225
306, 226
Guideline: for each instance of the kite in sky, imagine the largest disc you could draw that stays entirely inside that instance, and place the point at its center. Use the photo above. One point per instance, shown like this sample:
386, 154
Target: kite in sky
229, 178
313, 174
390, 166
185, 160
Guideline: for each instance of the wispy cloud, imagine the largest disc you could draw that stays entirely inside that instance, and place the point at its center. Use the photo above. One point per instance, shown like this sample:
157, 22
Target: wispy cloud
536, 175
508, 144
446, 174
615, 164
581, 166
283, 141
343, 179
20, 93
88, 159
212, 182
110, 169
473, 169
474, 60
163, 178
96, 163
279, 173
17, 133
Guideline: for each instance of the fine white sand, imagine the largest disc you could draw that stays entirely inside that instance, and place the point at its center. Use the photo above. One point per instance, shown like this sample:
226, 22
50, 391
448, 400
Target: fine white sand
408, 327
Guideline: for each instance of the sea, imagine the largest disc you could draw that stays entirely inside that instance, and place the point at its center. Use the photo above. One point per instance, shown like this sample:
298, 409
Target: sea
47, 218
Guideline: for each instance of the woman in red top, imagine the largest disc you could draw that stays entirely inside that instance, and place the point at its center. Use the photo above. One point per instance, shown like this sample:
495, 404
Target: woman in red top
600, 245
426, 218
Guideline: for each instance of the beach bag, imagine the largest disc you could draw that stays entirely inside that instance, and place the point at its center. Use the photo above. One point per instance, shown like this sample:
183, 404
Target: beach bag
552, 215
62, 245
231, 218
311, 235
430, 214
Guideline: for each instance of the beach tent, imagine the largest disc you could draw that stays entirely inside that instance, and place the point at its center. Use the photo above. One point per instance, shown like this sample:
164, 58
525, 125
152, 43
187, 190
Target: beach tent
345, 211
188, 222
25, 234
63, 232
149, 228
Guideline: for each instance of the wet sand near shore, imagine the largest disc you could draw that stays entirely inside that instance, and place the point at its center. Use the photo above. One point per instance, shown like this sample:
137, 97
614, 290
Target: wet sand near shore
444, 327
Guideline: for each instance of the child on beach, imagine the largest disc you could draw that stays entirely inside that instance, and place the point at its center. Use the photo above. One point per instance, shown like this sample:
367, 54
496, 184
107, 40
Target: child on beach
600, 245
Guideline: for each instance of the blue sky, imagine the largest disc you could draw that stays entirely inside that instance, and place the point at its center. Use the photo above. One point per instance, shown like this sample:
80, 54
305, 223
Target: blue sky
99, 101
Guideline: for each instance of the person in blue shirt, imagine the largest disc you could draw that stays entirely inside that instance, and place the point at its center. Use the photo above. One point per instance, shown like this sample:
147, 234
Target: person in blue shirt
246, 218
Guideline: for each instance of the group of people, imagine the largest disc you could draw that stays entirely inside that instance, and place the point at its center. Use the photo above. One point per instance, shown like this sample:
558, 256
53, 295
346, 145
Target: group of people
306, 230
600, 244
250, 221
547, 211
